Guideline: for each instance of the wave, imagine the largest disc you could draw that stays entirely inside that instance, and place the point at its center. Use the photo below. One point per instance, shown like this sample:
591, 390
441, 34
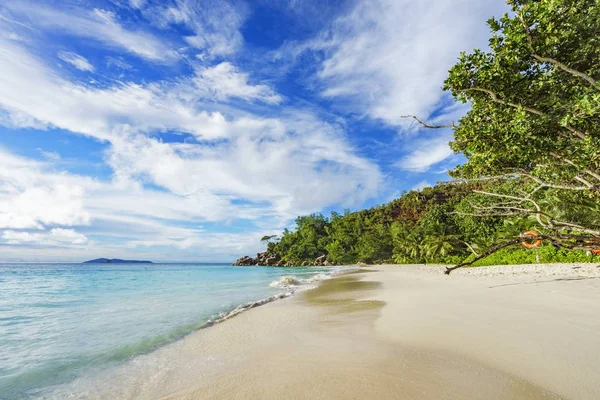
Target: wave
293, 282
286, 282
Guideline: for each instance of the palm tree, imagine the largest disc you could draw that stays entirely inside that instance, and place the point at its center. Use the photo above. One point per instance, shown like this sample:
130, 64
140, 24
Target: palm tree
441, 242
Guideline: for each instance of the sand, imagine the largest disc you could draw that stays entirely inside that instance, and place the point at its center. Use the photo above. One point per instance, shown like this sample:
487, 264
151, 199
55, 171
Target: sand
391, 332
538, 322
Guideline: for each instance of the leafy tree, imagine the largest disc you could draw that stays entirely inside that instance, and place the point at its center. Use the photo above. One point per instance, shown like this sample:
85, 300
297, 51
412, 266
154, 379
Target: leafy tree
534, 120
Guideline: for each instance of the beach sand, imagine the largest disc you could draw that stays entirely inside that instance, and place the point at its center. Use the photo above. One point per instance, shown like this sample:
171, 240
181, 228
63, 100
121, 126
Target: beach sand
393, 332
538, 322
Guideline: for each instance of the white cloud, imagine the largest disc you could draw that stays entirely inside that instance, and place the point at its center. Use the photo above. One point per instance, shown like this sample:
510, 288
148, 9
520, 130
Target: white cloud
100, 112
118, 63
296, 162
237, 165
28, 202
14, 36
99, 25
49, 155
57, 236
38, 203
79, 62
96, 112
425, 154
137, 3
307, 167
215, 24
224, 81
390, 57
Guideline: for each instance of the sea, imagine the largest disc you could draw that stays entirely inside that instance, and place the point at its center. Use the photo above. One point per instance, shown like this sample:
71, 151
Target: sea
61, 322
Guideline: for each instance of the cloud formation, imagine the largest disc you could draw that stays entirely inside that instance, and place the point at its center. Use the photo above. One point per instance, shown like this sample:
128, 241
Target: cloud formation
79, 62
96, 24
390, 57
205, 144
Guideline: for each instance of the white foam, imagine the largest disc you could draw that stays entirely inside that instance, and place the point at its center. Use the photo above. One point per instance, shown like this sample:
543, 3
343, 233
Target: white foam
292, 282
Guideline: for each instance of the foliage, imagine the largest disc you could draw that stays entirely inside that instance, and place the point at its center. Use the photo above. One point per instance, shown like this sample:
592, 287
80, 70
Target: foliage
527, 256
530, 108
533, 129
419, 227
532, 143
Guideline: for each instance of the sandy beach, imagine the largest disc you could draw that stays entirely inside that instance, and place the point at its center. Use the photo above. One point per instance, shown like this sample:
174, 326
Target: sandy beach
393, 332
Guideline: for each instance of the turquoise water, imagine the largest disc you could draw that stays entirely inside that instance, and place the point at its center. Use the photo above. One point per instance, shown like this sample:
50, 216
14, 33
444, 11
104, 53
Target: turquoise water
61, 321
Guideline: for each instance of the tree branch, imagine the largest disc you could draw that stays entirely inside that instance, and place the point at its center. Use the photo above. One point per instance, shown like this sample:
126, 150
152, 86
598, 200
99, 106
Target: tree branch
550, 223
566, 241
555, 186
571, 163
495, 98
471, 248
553, 61
426, 125
483, 255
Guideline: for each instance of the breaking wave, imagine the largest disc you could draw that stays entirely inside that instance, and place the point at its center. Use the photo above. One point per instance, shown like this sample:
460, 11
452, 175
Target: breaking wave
293, 282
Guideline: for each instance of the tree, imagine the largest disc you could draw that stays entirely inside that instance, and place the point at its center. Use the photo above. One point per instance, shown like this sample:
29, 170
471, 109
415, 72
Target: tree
534, 125
268, 238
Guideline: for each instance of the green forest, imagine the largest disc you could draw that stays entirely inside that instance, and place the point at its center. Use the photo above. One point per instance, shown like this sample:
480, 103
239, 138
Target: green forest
531, 140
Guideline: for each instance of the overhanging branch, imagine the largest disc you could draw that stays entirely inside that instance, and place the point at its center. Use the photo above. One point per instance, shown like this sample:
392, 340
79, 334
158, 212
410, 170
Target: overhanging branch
496, 99
426, 125
566, 241
553, 61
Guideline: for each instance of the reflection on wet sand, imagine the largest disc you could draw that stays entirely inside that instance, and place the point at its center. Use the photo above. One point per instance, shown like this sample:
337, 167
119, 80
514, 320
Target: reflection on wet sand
341, 295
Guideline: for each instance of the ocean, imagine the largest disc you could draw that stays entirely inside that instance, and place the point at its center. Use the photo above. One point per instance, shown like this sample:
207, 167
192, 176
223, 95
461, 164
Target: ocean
61, 322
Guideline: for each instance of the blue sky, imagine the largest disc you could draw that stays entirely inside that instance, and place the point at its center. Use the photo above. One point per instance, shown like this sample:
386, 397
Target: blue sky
185, 130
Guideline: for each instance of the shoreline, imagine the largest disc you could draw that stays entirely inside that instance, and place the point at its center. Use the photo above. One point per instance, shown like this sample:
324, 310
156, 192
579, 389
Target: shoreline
387, 332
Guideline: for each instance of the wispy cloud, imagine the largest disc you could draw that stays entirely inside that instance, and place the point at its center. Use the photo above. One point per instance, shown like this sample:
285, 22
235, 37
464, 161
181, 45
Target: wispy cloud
119, 63
224, 81
56, 236
215, 24
203, 145
79, 62
241, 167
426, 153
96, 24
390, 57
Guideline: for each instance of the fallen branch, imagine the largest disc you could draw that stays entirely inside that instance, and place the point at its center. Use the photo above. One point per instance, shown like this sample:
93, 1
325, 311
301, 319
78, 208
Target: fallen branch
564, 240
488, 252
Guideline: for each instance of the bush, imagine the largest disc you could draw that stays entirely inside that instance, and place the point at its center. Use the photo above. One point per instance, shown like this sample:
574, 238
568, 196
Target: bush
547, 254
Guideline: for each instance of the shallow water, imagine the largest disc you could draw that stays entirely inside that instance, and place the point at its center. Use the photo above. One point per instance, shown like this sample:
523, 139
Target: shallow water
59, 322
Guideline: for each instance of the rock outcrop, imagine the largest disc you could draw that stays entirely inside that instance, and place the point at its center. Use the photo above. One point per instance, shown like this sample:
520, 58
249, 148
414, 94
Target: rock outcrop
273, 260
265, 258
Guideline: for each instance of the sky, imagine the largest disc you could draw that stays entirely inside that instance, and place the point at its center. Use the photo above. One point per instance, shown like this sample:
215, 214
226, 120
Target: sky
185, 130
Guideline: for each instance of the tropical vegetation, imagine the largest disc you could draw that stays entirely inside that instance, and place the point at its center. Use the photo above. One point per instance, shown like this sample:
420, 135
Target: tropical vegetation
532, 145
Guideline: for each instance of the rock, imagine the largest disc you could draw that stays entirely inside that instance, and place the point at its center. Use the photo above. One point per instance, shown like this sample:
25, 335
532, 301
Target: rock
271, 261
321, 260
245, 261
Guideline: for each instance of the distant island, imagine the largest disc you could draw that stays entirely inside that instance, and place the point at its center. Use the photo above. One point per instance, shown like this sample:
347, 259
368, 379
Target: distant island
115, 261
